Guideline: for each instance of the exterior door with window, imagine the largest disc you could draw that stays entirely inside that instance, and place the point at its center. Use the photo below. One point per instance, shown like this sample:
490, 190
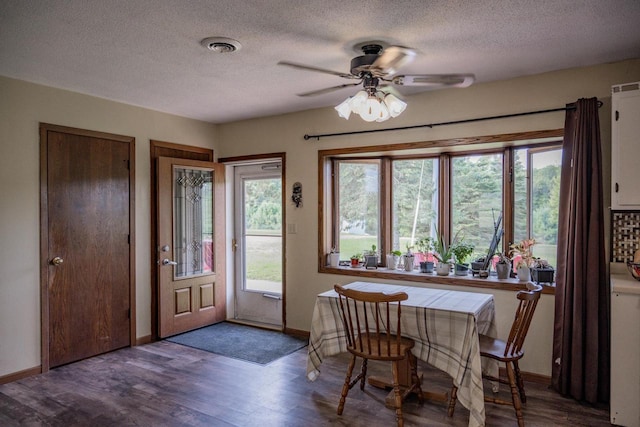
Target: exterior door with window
191, 256
258, 256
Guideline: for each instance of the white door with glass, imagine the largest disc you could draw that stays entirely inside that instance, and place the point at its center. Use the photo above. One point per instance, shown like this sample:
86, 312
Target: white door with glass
258, 243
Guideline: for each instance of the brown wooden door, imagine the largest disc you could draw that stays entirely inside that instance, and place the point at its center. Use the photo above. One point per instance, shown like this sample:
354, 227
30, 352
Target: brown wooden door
87, 255
191, 236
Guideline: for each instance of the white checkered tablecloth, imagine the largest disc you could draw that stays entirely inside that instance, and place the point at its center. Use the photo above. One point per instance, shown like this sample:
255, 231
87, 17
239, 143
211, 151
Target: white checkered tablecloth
444, 324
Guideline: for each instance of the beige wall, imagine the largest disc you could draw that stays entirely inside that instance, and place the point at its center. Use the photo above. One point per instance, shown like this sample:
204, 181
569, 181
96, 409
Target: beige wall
285, 133
22, 107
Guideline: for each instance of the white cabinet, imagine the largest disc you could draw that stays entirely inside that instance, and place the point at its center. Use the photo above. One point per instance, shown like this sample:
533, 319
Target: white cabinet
625, 348
625, 146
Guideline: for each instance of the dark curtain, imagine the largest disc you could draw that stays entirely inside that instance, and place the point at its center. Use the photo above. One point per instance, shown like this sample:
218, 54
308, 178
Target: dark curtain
581, 327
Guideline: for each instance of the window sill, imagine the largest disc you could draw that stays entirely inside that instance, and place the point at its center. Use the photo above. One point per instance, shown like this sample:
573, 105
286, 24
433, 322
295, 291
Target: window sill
490, 282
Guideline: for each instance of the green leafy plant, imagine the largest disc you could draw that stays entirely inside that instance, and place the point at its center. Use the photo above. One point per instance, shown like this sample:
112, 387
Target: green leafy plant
442, 251
396, 253
372, 251
462, 251
425, 245
356, 256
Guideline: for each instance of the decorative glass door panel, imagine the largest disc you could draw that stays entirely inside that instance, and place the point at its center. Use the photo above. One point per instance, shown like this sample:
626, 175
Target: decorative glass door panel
194, 228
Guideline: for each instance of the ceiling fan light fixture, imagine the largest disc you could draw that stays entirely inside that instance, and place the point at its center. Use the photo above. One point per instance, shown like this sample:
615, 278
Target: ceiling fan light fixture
395, 105
344, 109
376, 106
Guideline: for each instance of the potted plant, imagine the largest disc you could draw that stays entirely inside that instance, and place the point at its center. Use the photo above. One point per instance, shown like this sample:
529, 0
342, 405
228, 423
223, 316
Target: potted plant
478, 264
442, 252
355, 260
522, 258
371, 258
393, 258
425, 247
462, 251
407, 259
541, 271
503, 266
334, 258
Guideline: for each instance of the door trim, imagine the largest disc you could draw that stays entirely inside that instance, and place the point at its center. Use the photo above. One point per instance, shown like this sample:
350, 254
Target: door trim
259, 158
44, 129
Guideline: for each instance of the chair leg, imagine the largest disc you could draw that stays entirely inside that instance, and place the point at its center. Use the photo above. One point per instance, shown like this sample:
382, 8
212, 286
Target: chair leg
363, 373
520, 382
515, 394
416, 385
452, 400
345, 386
396, 392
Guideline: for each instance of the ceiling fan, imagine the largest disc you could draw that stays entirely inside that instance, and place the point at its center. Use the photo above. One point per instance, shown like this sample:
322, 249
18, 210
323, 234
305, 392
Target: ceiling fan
375, 69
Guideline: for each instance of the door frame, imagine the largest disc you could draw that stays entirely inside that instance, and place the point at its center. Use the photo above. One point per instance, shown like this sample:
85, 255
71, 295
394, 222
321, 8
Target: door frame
45, 128
163, 149
259, 158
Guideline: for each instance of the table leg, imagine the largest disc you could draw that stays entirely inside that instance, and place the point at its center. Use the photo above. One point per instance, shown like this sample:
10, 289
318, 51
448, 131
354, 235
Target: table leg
404, 371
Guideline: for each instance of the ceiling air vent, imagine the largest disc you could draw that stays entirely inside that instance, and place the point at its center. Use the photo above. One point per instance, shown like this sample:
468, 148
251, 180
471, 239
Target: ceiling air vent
221, 44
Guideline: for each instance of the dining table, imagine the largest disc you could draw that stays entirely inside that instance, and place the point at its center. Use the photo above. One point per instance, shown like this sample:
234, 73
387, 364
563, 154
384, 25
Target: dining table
444, 324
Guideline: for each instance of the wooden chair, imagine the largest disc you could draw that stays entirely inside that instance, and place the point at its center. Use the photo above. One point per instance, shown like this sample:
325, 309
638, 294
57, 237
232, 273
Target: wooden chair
509, 352
368, 324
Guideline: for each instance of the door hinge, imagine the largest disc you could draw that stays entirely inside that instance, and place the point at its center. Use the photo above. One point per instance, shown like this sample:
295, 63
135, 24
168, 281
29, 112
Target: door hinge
234, 245
128, 239
129, 314
617, 115
617, 187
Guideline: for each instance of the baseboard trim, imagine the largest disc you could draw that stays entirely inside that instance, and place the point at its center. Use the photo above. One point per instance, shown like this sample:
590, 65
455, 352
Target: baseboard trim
143, 340
36, 370
530, 377
297, 333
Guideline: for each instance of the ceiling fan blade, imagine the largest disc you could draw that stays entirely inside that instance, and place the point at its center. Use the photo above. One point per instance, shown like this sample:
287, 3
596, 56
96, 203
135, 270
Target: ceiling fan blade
392, 59
327, 90
435, 80
316, 69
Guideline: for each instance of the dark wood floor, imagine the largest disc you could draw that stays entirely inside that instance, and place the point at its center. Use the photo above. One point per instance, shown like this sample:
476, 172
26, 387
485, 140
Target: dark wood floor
165, 384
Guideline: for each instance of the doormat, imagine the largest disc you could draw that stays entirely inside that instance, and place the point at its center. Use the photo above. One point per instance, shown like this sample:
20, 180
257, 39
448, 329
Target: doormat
241, 342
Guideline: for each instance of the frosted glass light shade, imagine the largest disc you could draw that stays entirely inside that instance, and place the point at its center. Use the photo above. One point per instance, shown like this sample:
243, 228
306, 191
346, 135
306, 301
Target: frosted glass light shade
377, 106
395, 105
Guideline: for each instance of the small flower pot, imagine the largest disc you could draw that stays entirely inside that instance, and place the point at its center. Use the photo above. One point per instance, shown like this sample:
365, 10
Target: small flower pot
371, 261
443, 269
461, 269
503, 270
408, 262
542, 275
524, 274
355, 262
426, 267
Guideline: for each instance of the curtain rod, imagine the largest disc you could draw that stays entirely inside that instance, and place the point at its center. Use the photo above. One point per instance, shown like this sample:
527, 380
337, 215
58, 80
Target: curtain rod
571, 106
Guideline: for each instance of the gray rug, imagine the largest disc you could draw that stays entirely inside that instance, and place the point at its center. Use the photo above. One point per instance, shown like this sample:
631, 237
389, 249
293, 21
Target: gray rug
241, 342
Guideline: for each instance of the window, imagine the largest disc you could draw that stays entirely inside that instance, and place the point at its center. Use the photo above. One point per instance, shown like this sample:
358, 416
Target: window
537, 187
476, 198
393, 195
358, 206
414, 206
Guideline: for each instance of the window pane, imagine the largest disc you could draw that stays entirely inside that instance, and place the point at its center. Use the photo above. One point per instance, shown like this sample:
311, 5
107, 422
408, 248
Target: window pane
536, 208
358, 189
476, 199
415, 201
520, 204
193, 234
263, 234
545, 195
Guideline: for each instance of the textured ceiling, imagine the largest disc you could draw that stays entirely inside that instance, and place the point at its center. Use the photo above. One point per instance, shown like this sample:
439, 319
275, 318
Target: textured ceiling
148, 52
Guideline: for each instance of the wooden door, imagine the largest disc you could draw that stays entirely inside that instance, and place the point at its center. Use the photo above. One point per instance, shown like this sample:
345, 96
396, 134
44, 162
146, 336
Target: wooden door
191, 237
86, 232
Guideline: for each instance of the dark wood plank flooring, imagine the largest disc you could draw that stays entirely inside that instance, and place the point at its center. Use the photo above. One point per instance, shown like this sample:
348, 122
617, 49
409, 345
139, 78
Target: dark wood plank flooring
166, 384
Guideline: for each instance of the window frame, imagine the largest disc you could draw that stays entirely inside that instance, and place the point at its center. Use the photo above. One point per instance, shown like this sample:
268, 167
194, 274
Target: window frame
443, 150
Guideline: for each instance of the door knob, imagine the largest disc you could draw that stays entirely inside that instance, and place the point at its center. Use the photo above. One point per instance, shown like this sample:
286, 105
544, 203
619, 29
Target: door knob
57, 261
168, 262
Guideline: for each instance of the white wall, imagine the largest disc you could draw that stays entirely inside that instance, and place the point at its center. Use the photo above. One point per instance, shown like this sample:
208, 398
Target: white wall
538, 92
22, 107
